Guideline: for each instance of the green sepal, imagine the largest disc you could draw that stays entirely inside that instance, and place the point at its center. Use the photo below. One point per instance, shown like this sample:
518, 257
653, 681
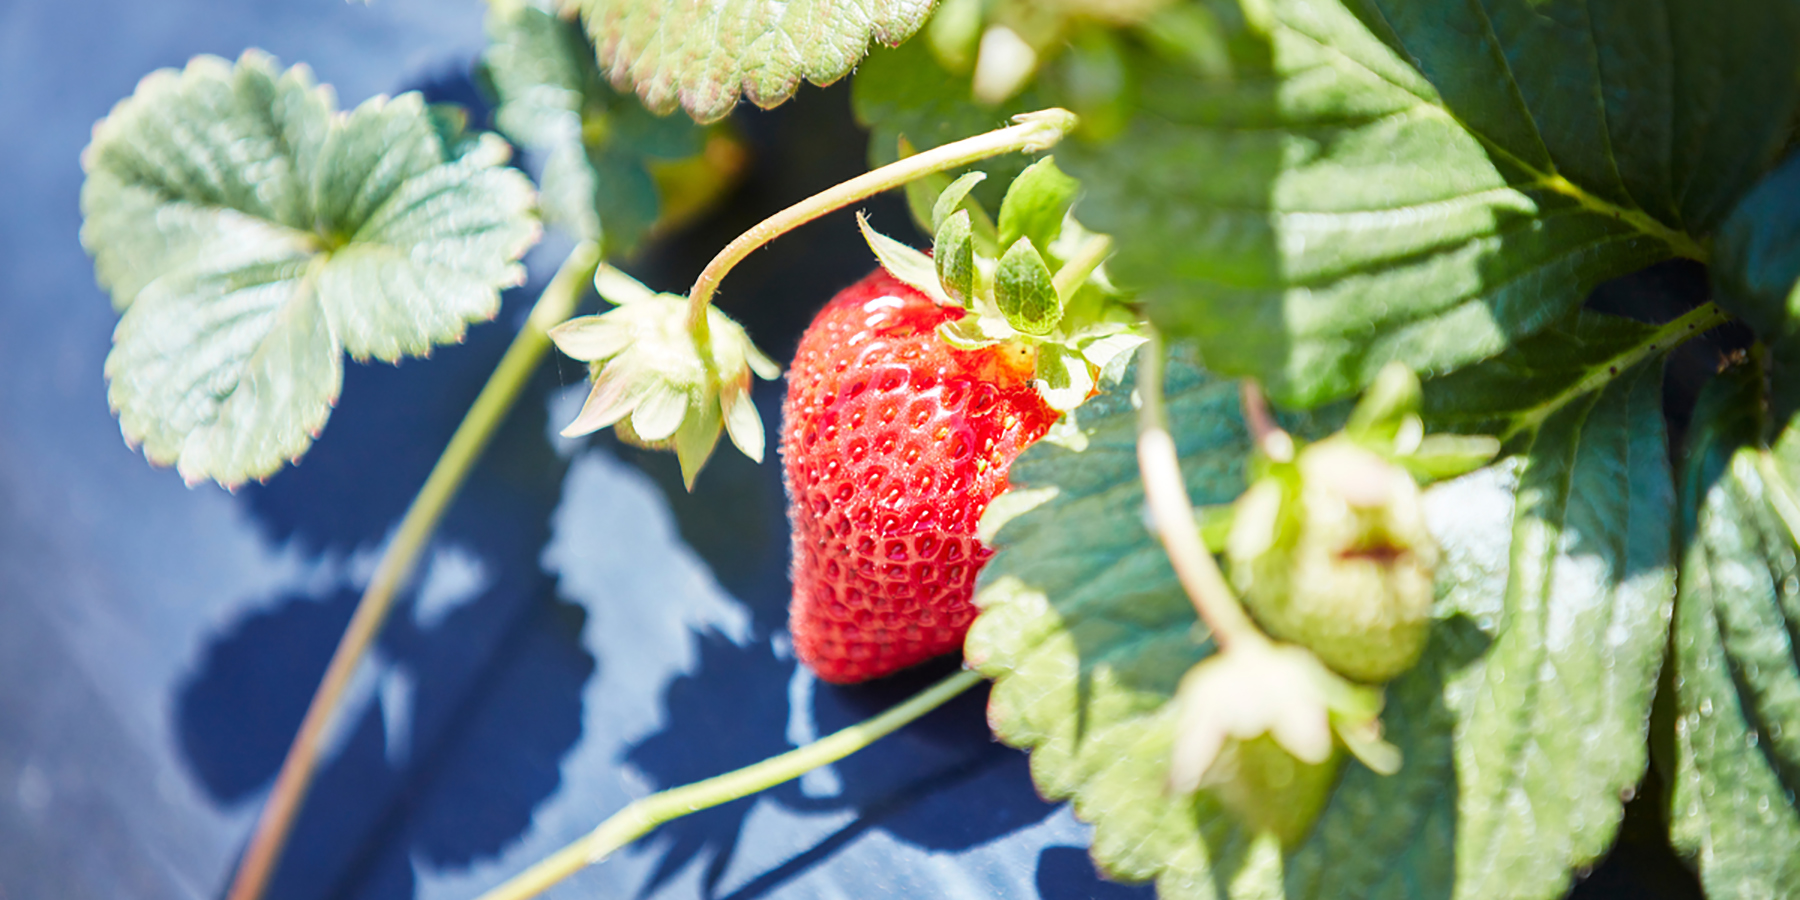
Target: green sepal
655, 384
953, 252
952, 197
1036, 203
1064, 379
905, 263
1025, 292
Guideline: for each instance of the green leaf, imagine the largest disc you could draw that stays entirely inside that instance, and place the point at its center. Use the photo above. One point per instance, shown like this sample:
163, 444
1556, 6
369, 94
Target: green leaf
596, 143
952, 197
1035, 204
1024, 291
1499, 395
1755, 268
703, 55
1415, 182
1556, 730
1519, 727
1737, 682
250, 235
904, 262
953, 252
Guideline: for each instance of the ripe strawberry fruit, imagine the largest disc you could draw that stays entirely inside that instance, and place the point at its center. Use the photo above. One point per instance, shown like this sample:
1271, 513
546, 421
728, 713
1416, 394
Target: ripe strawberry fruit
893, 443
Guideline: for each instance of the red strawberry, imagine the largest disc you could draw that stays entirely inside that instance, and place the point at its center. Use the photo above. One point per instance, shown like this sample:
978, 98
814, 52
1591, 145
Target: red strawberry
893, 443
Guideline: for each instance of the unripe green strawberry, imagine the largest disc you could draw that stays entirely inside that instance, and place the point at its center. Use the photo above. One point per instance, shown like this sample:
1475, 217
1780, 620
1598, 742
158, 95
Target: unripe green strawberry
1331, 552
892, 445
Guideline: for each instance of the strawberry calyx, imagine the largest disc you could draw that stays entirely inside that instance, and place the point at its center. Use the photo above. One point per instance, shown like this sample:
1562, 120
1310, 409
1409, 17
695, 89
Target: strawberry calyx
660, 383
1045, 296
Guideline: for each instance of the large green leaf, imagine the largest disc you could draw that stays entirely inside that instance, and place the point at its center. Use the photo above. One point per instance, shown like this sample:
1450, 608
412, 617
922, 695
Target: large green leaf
1428, 182
1520, 727
595, 141
250, 235
703, 55
1519, 387
1737, 673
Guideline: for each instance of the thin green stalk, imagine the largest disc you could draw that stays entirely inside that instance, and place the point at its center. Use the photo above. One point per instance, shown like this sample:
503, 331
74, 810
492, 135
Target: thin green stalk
1035, 132
555, 304
1075, 271
1693, 324
642, 816
1173, 513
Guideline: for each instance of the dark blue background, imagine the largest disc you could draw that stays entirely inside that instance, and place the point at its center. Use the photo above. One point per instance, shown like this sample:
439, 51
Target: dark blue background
583, 631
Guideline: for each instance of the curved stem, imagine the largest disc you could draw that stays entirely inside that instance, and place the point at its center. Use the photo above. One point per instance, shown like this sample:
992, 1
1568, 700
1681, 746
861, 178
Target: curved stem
555, 304
1035, 131
1274, 443
642, 816
1172, 511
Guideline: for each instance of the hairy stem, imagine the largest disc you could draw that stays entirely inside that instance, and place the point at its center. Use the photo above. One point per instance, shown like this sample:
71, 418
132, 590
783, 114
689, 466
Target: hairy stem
557, 303
1035, 132
643, 816
1173, 513
1692, 324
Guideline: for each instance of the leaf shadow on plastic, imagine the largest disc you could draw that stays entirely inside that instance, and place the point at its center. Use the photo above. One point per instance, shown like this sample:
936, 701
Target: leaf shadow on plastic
480, 671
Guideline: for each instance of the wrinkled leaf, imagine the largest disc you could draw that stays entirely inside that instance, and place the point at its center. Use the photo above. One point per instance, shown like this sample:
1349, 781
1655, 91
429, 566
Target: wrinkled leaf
1427, 183
1737, 681
1553, 606
250, 235
701, 56
597, 144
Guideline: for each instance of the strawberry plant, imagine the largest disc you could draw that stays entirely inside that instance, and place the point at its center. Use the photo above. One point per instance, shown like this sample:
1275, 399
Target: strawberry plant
1249, 422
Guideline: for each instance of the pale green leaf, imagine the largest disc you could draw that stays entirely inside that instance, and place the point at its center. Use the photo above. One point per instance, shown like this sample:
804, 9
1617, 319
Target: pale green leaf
701, 56
1519, 728
1736, 678
250, 236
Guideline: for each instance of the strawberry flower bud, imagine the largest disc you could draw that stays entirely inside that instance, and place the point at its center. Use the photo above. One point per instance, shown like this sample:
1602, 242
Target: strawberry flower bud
1261, 723
1331, 551
654, 381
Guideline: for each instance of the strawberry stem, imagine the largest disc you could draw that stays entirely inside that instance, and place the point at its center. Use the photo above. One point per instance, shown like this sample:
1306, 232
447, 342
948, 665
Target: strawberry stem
491, 406
1034, 133
1075, 271
644, 815
1173, 513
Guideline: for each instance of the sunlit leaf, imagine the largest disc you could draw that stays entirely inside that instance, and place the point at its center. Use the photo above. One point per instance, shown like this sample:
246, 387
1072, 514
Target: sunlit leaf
250, 235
